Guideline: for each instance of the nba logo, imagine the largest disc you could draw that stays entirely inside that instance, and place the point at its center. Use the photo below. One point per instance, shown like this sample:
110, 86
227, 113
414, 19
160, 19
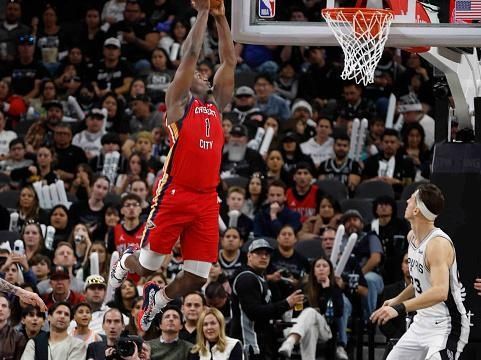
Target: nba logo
267, 9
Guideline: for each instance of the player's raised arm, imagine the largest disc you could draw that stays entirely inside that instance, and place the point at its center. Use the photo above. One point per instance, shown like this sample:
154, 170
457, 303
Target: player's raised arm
178, 92
224, 77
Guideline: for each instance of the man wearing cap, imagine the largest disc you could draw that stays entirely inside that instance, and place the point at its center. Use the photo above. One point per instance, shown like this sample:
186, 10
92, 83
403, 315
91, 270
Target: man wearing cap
25, 73
291, 152
340, 167
89, 140
41, 132
244, 107
112, 73
145, 117
60, 283
252, 304
389, 165
368, 252
239, 160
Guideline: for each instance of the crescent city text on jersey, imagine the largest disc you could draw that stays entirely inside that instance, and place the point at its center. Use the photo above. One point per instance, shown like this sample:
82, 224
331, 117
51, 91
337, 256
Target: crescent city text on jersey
205, 110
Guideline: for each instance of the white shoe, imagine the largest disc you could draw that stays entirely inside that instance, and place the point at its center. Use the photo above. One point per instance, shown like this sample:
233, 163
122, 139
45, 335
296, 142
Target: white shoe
118, 273
286, 348
341, 353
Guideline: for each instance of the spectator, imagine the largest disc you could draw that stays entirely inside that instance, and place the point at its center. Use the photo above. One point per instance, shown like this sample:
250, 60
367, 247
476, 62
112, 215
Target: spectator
253, 307
140, 188
84, 177
291, 152
368, 252
286, 83
235, 202
113, 11
41, 132
353, 105
137, 169
113, 325
110, 142
33, 239
255, 194
301, 122
25, 73
28, 207
169, 346
173, 41
275, 167
144, 118
67, 155
90, 36
111, 73
80, 239
275, 214
392, 232
303, 196
82, 314
216, 296
320, 147
16, 157
396, 328
60, 221
245, 110
193, 304
60, 283
144, 145
239, 159
257, 58
477, 285
41, 171
71, 73
329, 215
160, 76
273, 122
92, 211
287, 268
89, 140
268, 102
116, 120
16, 270
66, 347
41, 266
103, 259
231, 258
340, 167
129, 231
6, 136
324, 295
415, 148
32, 322
11, 30
11, 342
390, 165
212, 342
65, 258
124, 296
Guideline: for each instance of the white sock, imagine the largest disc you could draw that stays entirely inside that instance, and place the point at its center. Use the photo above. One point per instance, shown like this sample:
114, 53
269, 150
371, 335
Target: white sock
161, 299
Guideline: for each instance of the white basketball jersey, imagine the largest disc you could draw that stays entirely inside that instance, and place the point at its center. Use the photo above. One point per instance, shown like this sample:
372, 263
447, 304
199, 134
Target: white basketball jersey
420, 276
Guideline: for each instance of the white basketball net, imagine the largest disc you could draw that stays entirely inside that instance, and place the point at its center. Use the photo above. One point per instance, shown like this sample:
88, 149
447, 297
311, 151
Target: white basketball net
362, 36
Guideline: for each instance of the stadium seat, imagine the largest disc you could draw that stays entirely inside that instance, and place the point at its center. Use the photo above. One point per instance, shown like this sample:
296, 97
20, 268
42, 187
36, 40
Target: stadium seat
245, 79
410, 189
22, 127
364, 206
239, 181
311, 249
334, 188
9, 199
112, 199
373, 189
9, 236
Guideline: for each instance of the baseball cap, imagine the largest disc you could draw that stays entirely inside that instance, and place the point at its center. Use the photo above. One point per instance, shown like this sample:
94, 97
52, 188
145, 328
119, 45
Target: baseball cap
111, 41
409, 102
239, 130
59, 273
351, 213
260, 244
290, 136
244, 91
94, 280
110, 138
95, 112
302, 104
53, 103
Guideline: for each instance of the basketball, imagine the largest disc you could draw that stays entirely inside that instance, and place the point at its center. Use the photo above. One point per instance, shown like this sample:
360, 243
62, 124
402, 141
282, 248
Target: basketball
214, 4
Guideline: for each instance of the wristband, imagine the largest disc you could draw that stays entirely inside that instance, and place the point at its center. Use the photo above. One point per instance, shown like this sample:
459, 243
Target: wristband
400, 308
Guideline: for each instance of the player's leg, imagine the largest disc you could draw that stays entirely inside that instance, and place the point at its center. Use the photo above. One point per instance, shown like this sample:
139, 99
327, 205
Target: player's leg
410, 345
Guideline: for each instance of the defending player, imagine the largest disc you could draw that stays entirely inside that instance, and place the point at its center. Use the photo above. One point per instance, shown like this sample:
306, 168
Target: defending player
185, 204
440, 329
26, 296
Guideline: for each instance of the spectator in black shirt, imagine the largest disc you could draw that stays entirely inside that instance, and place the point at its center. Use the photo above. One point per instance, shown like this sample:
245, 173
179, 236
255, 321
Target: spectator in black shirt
68, 156
193, 304
111, 73
341, 167
25, 73
235, 202
353, 105
90, 36
137, 37
11, 30
231, 257
41, 133
291, 152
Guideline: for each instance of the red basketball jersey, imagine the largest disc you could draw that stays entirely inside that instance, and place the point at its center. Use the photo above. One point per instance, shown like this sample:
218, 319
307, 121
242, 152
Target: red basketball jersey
305, 205
196, 147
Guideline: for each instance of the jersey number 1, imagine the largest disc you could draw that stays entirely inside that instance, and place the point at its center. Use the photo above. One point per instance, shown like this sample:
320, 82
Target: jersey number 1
207, 128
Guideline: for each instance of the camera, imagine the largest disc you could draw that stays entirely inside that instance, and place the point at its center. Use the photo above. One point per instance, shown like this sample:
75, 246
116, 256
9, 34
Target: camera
126, 345
285, 273
78, 238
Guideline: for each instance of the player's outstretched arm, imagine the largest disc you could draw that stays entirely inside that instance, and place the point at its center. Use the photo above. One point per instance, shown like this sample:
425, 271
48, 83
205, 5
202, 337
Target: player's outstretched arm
177, 94
224, 77
25, 295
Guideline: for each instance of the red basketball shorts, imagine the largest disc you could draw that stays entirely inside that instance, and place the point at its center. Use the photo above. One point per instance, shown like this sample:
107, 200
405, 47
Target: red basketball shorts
178, 212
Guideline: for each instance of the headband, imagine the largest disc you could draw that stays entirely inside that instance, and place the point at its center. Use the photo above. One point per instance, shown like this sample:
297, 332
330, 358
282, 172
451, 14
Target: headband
422, 207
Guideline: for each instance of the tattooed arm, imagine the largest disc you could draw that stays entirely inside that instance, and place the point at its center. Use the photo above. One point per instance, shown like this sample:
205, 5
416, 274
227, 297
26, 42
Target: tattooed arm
26, 296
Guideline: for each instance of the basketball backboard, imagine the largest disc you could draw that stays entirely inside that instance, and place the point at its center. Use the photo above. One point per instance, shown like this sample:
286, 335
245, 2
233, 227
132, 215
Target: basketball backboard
446, 23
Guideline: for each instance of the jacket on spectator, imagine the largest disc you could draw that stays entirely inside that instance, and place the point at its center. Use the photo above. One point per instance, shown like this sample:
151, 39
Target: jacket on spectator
264, 226
176, 350
12, 343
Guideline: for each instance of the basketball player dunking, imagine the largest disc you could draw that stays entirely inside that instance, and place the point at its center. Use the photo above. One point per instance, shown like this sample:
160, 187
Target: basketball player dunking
26, 296
185, 203
440, 329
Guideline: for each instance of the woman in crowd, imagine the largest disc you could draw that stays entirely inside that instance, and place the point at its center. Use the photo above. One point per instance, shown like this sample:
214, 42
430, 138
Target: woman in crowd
33, 239
329, 215
178, 33
275, 167
231, 258
136, 170
60, 221
415, 148
318, 322
41, 171
137, 87
256, 194
104, 259
133, 328
48, 92
82, 314
18, 306
116, 119
28, 207
124, 296
160, 76
212, 342
81, 184
80, 239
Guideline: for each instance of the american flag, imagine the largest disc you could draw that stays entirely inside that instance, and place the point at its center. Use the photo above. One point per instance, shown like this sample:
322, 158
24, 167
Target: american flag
467, 10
